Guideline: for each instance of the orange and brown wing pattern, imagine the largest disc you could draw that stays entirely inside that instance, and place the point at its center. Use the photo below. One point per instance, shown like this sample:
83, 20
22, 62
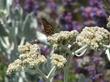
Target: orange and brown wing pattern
48, 29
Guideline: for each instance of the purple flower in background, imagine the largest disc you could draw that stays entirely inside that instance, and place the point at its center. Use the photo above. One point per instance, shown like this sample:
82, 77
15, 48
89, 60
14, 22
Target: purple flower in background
77, 26
91, 69
100, 16
36, 7
98, 12
87, 12
31, 6
97, 60
45, 50
68, 5
67, 1
52, 5
68, 17
67, 21
97, 3
40, 81
16, 4
95, 14
95, 67
68, 26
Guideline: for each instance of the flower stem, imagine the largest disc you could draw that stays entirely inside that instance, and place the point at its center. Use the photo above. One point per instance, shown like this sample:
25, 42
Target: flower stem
51, 73
79, 50
66, 71
106, 46
42, 74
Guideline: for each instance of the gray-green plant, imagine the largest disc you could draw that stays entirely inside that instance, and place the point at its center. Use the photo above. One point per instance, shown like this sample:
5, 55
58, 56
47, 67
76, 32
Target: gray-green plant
16, 27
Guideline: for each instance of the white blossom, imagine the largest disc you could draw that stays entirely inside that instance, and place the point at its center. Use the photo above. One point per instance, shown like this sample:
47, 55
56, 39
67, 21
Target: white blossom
58, 60
94, 37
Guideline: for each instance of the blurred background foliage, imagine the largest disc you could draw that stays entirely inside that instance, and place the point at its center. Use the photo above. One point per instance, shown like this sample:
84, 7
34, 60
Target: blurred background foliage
15, 28
18, 24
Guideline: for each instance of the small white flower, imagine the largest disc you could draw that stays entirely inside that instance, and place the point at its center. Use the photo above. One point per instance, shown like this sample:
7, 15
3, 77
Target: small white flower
94, 37
58, 60
15, 66
30, 57
28, 48
63, 37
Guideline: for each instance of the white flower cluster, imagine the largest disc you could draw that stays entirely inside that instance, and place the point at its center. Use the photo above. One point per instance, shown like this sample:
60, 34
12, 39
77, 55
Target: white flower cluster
62, 38
94, 37
30, 57
58, 60
15, 66
28, 48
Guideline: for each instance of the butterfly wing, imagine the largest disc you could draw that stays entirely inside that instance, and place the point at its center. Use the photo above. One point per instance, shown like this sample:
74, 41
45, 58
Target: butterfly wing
48, 29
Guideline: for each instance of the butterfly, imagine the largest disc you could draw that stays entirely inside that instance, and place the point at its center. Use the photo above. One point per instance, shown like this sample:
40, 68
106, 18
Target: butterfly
48, 28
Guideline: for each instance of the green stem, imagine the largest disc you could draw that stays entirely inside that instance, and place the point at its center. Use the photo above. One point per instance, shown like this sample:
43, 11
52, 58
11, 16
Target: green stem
66, 72
42, 74
66, 69
51, 73
53, 69
106, 46
82, 53
22, 41
80, 50
25, 21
